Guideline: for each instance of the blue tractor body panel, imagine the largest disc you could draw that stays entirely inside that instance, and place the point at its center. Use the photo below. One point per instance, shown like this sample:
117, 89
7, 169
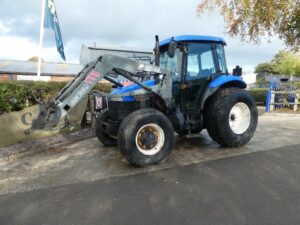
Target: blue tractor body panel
223, 79
219, 81
193, 38
130, 88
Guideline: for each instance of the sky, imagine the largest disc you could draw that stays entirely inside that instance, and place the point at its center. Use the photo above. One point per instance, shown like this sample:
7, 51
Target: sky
122, 23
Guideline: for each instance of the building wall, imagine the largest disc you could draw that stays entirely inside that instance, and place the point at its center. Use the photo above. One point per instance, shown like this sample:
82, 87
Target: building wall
276, 78
249, 78
61, 79
7, 77
32, 77
4, 77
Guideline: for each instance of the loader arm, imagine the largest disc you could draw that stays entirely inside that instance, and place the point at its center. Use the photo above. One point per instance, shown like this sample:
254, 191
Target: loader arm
103, 67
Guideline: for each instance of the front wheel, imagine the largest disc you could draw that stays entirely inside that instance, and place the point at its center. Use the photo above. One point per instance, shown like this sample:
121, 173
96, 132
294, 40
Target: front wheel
145, 136
231, 117
101, 134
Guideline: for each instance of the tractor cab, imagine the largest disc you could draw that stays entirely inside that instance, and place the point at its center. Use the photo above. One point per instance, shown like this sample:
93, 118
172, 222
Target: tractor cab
194, 61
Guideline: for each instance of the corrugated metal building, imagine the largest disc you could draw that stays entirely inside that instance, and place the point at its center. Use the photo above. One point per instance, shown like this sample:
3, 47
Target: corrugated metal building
277, 78
89, 53
27, 70
23, 70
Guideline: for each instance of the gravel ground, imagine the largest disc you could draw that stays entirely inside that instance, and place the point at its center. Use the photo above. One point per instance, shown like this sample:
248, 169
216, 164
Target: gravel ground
38, 145
45, 143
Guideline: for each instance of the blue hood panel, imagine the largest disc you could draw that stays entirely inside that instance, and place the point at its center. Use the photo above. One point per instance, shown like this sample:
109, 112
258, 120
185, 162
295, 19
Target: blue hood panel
130, 88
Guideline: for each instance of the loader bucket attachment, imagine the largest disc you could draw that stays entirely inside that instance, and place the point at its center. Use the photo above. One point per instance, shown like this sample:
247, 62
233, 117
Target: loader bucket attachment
104, 66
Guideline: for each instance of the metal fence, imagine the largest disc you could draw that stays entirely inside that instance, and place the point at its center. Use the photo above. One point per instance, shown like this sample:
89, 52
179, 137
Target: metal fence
283, 97
259, 95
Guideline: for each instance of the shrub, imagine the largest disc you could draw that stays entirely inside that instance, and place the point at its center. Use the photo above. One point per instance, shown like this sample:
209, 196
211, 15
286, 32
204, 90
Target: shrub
259, 95
17, 95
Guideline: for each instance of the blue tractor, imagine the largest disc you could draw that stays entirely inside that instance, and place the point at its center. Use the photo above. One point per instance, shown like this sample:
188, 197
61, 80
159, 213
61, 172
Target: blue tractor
186, 89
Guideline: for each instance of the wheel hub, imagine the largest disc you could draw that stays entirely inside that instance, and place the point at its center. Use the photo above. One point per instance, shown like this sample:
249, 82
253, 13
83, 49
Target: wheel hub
232, 117
239, 118
150, 139
147, 138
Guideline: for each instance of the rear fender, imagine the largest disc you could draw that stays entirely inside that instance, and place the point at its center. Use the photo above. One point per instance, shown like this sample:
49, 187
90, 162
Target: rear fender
222, 81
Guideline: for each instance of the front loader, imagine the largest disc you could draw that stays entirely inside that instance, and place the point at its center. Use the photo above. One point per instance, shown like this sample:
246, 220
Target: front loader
186, 90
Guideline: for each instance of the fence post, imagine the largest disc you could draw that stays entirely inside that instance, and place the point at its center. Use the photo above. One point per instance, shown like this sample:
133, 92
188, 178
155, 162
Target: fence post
268, 97
272, 100
296, 101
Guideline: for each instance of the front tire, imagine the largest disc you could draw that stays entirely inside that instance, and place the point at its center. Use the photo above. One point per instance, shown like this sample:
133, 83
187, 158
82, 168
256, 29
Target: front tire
231, 117
104, 137
145, 136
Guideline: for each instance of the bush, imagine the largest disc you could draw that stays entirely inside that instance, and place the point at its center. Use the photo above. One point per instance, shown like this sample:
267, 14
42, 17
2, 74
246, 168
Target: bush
17, 95
259, 95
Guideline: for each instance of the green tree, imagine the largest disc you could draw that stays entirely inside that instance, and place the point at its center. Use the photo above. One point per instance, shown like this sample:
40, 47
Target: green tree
267, 67
298, 70
253, 19
284, 62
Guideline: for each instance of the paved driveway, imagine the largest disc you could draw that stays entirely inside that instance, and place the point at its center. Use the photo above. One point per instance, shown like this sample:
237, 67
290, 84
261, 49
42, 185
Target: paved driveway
200, 183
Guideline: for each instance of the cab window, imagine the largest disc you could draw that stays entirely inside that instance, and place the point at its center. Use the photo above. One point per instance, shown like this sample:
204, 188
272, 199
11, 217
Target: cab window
200, 60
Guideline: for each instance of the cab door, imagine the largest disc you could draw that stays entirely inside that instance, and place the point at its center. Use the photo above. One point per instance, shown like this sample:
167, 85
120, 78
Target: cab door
199, 69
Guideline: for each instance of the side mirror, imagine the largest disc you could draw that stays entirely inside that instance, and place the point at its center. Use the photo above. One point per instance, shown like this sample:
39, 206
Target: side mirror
237, 71
171, 49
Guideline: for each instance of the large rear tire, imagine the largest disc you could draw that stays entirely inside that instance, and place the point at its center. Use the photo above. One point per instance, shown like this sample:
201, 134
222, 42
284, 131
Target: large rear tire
105, 138
145, 136
231, 117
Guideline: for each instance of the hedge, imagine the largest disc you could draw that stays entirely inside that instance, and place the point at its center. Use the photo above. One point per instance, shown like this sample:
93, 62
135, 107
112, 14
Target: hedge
17, 95
259, 95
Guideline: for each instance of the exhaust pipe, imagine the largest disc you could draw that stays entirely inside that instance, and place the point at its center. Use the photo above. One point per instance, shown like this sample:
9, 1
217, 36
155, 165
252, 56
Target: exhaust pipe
157, 52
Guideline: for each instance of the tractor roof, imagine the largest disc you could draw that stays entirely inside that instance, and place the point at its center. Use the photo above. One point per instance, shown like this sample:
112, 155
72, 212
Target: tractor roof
193, 38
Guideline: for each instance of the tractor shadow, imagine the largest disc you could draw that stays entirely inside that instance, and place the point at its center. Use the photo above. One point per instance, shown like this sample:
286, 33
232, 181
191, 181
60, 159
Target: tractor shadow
197, 142
199, 148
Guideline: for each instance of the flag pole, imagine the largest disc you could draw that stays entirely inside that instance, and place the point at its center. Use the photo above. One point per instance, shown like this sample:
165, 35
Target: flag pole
41, 40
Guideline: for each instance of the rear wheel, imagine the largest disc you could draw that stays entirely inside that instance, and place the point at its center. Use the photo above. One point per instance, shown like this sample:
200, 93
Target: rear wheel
231, 117
101, 134
145, 136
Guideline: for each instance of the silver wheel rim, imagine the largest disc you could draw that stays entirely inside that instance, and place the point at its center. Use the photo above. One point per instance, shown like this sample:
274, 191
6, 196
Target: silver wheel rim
156, 133
239, 118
